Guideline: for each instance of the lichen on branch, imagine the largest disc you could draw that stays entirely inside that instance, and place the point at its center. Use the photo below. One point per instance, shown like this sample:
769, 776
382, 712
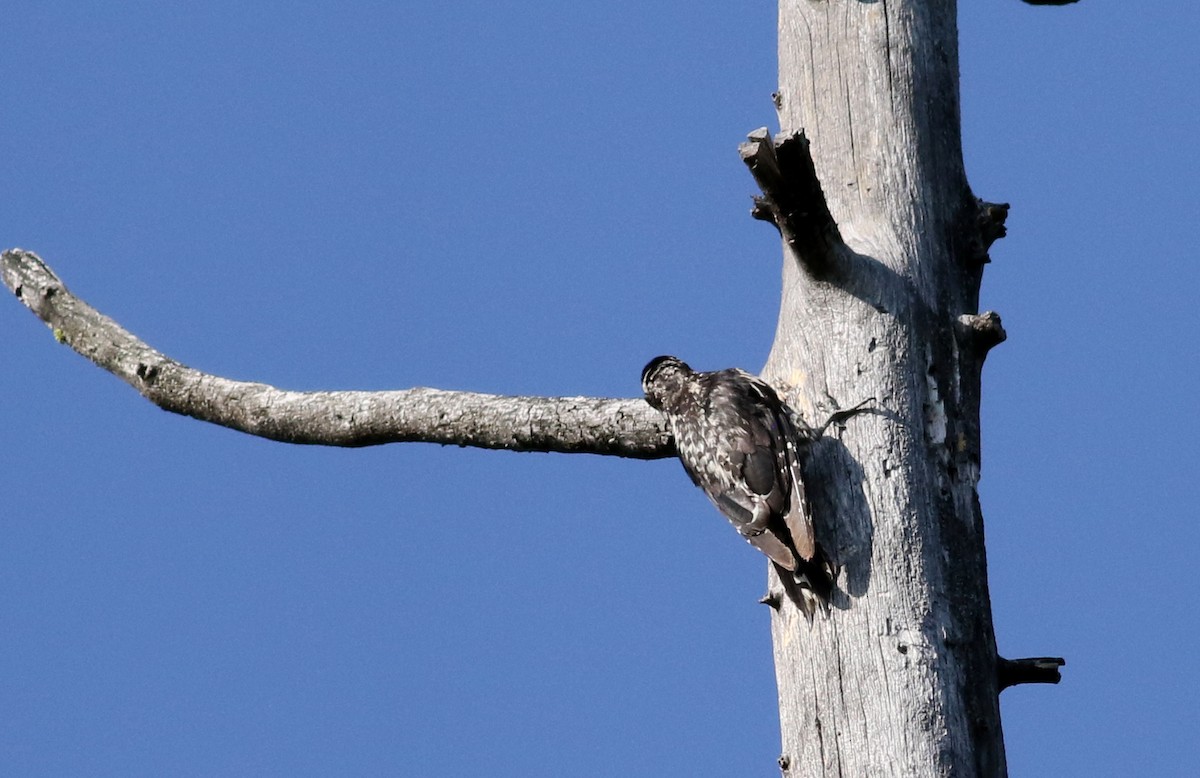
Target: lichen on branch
577, 425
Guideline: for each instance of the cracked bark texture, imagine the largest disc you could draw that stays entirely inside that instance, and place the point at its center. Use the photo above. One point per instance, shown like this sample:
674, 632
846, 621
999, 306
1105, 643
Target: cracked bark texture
901, 678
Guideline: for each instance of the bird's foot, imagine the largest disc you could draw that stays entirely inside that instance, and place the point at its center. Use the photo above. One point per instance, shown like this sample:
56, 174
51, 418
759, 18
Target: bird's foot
840, 417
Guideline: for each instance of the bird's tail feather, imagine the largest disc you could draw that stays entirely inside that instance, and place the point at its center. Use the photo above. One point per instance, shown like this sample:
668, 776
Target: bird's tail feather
810, 585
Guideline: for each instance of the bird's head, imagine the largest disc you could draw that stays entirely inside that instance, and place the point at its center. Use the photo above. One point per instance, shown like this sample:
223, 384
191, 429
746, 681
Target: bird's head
663, 380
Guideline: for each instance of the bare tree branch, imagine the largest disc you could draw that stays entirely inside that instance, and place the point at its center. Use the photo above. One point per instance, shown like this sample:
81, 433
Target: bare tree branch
792, 198
1038, 669
587, 425
984, 330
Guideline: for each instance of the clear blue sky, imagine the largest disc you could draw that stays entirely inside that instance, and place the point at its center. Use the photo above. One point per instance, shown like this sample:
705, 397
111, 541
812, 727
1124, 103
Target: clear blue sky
535, 198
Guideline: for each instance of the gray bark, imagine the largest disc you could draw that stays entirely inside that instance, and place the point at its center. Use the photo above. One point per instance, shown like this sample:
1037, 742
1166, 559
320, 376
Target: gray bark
884, 246
901, 679
573, 425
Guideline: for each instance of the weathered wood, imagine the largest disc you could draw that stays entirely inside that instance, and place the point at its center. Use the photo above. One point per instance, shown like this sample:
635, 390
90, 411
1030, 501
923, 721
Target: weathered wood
1037, 669
574, 425
884, 248
792, 198
900, 679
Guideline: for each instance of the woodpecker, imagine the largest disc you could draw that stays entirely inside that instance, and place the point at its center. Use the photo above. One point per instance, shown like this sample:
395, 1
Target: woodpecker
739, 443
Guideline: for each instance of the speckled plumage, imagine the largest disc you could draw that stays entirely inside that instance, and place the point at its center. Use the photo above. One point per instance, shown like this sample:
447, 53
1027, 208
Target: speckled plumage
738, 443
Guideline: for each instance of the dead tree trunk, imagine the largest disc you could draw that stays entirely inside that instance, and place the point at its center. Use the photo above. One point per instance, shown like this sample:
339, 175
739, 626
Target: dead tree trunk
884, 245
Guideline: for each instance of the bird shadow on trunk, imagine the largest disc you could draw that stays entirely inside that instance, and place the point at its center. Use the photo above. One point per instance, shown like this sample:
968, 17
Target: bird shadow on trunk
842, 516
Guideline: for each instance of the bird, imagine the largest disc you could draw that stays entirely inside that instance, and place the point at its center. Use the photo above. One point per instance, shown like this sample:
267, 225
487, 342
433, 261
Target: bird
740, 443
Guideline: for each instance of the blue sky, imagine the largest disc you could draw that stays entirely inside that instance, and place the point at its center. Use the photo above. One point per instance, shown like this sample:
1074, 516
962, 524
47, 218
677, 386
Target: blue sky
536, 198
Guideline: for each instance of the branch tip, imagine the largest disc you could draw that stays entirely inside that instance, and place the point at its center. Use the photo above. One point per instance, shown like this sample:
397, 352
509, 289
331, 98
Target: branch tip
1038, 669
984, 331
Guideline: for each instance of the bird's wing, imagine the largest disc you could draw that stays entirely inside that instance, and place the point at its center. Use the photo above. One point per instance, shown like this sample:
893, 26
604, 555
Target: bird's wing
761, 486
799, 515
753, 490
772, 415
